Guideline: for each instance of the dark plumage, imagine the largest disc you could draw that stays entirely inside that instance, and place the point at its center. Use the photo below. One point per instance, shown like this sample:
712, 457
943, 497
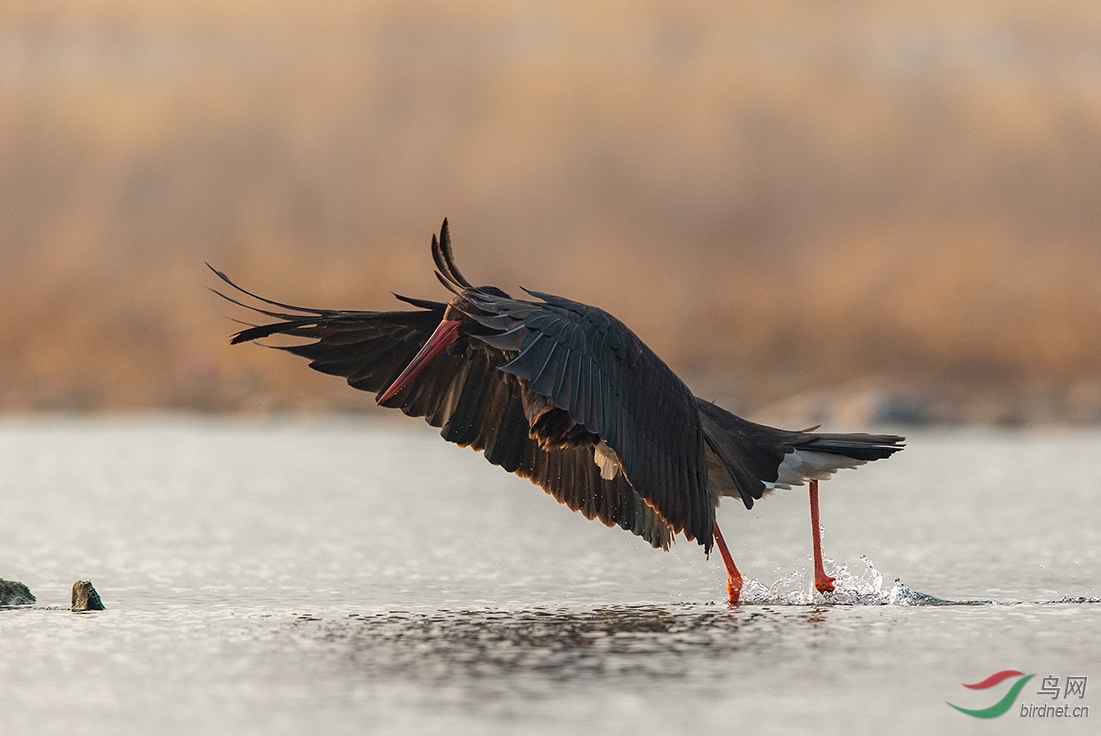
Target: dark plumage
566, 395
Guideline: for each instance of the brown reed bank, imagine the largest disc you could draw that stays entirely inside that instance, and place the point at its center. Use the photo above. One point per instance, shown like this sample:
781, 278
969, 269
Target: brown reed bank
858, 199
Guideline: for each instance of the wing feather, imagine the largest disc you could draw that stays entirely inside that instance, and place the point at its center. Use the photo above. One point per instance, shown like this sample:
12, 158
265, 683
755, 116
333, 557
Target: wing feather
463, 392
617, 388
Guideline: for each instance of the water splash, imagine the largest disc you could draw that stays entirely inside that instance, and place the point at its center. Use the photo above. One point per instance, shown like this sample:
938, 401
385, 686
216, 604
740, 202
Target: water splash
1078, 599
861, 588
864, 588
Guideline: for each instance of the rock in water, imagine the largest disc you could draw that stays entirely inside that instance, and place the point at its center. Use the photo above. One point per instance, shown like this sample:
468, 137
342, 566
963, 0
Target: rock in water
85, 597
15, 594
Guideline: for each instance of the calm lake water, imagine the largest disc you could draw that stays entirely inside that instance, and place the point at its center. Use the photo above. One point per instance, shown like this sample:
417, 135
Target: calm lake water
343, 576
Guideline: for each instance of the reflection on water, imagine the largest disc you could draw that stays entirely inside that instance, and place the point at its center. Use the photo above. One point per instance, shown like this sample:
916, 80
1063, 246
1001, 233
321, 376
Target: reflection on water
539, 646
533, 648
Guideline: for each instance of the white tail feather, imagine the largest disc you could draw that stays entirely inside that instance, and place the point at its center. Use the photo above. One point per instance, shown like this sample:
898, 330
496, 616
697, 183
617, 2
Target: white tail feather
799, 466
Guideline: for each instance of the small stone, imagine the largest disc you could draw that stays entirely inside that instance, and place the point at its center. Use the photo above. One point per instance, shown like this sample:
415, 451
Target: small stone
85, 597
15, 594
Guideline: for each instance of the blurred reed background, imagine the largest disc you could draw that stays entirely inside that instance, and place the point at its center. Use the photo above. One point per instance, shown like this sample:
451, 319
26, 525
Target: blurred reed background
891, 210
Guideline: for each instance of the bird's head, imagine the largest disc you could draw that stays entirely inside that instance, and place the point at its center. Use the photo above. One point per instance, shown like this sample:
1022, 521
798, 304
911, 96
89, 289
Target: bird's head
454, 320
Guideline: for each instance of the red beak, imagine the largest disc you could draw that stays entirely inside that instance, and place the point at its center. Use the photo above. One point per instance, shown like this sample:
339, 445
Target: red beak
446, 333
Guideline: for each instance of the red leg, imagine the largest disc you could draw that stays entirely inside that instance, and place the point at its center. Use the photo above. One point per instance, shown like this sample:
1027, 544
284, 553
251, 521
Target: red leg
734, 581
822, 581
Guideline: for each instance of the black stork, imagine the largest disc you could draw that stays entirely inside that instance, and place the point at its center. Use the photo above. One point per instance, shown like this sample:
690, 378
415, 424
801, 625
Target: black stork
565, 395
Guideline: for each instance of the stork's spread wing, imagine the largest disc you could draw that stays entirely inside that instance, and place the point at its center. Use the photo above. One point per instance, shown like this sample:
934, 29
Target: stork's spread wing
463, 392
590, 364
479, 406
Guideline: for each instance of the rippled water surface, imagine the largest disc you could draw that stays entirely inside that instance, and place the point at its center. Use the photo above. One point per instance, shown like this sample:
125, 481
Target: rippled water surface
348, 576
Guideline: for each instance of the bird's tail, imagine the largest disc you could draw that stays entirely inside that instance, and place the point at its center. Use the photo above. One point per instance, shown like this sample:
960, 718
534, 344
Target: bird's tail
759, 458
857, 446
